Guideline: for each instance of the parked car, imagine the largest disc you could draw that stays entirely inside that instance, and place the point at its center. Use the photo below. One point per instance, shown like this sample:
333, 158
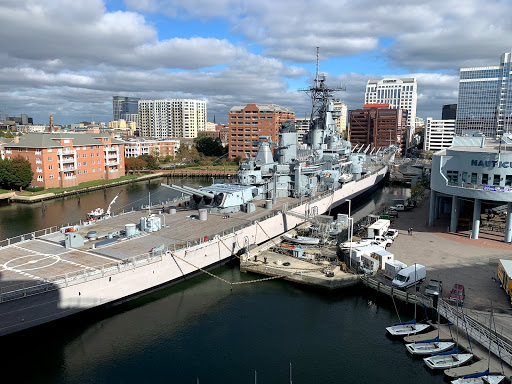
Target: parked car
391, 213
457, 294
391, 234
434, 288
397, 207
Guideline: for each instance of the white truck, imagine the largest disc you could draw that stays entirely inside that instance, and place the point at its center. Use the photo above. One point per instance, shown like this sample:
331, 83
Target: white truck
379, 228
409, 276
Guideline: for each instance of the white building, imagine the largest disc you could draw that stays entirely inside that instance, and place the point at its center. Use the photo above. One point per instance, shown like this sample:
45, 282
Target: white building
136, 148
302, 127
172, 118
438, 134
474, 170
400, 93
341, 112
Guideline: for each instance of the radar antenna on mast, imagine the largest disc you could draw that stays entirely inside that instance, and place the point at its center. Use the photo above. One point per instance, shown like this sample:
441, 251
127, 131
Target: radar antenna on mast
320, 92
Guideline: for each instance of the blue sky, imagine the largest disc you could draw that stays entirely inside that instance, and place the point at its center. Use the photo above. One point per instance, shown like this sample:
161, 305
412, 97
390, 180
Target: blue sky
74, 55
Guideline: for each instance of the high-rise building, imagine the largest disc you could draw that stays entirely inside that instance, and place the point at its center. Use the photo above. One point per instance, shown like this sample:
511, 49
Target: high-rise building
302, 127
125, 108
341, 112
247, 123
399, 93
172, 118
438, 134
377, 125
485, 99
449, 112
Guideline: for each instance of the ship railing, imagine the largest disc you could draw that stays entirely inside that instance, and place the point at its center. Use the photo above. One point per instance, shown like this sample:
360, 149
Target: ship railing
29, 236
31, 288
476, 324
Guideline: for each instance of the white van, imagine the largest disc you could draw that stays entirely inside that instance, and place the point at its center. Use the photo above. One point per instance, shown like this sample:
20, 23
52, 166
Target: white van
409, 276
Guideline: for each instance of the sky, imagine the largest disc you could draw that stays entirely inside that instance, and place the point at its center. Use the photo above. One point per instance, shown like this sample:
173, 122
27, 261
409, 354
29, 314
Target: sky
67, 58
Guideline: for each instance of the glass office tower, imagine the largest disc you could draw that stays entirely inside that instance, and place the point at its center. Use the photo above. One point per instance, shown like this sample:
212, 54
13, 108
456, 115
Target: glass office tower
125, 108
485, 99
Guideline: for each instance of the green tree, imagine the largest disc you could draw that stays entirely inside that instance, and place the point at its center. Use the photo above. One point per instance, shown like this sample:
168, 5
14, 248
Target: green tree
15, 173
208, 146
152, 161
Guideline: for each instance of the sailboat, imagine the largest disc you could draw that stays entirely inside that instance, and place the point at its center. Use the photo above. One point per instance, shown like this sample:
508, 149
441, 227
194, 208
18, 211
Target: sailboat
431, 346
483, 377
448, 359
408, 327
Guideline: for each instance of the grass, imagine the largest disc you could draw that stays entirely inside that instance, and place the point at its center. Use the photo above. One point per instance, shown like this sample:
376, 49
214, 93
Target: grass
81, 186
4, 191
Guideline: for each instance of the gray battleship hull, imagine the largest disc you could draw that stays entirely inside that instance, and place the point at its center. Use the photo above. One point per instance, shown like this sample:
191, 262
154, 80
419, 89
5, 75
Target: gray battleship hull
27, 308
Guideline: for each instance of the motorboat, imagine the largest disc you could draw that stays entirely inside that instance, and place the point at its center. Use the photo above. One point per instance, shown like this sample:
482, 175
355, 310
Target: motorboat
448, 359
301, 239
407, 328
429, 347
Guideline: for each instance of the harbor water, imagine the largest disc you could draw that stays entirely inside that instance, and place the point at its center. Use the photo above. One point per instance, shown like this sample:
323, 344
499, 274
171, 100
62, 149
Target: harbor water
201, 330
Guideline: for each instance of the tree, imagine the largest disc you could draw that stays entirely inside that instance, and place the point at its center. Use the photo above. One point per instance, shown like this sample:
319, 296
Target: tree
134, 163
186, 155
152, 161
15, 173
208, 146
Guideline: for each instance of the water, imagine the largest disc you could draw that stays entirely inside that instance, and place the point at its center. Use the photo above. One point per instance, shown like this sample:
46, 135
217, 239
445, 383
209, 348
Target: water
200, 329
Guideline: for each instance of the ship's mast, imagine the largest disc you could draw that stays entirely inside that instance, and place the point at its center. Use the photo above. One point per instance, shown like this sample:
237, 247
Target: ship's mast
320, 93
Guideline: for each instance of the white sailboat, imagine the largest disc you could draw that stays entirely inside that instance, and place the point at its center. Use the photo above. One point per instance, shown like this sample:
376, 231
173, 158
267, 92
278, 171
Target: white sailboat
408, 327
483, 377
448, 359
431, 346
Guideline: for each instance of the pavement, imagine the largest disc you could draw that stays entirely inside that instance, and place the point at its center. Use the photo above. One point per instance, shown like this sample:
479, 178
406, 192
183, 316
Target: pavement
456, 258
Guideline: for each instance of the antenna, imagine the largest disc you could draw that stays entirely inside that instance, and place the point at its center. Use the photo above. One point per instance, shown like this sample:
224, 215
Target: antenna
317, 60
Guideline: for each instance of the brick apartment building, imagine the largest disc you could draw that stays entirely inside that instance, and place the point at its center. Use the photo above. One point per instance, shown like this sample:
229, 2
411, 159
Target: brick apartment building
248, 123
376, 124
135, 148
221, 132
66, 160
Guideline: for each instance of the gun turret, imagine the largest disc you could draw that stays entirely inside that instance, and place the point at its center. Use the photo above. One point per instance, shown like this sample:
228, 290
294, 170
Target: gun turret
198, 192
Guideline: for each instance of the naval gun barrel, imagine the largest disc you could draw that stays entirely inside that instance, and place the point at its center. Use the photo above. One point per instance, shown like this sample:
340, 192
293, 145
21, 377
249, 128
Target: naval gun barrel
176, 188
197, 192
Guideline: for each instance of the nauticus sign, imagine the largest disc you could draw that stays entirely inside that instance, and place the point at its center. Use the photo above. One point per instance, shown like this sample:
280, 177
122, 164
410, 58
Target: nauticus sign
491, 164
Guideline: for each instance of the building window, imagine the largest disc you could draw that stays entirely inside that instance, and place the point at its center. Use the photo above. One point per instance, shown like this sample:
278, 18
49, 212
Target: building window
464, 177
485, 178
39, 178
50, 167
496, 180
473, 178
51, 176
508, 181
453, 177
38, 151
85, 162
79, 171
85, 155
85, 170
99, 169
92, 154
50, 158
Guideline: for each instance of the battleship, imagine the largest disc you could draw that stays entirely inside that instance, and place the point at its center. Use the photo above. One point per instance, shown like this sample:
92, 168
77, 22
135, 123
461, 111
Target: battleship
108, 259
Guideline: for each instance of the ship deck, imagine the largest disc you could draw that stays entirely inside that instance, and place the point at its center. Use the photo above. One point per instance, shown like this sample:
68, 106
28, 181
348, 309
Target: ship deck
31, 262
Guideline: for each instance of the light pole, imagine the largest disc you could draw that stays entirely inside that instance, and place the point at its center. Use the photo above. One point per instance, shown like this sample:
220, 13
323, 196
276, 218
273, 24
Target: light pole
351, 226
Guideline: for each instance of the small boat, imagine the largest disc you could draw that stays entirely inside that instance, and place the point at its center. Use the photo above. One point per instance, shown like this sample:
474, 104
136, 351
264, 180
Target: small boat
448, 359
429, 347
96, 214
355, 244
406, 328
301, 239
345, 177
480, 378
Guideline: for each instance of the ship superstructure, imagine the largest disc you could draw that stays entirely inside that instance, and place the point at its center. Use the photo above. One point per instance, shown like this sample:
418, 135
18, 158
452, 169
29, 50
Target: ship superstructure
323, 162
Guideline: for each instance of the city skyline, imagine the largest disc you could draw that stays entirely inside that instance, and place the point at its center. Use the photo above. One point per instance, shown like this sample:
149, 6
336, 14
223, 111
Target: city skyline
69, 58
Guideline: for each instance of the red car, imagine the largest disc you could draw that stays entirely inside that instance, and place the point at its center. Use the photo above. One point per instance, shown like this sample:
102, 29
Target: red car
457, 294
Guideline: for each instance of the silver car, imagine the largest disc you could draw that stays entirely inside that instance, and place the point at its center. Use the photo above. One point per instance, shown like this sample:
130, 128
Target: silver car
434, 288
